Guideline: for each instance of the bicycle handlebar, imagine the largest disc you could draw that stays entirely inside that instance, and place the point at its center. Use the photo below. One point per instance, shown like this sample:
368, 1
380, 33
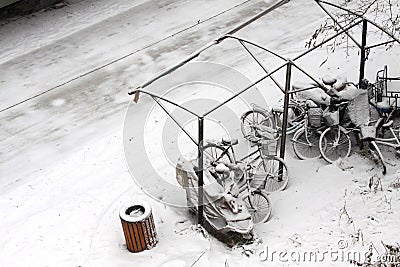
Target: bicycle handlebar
342, 103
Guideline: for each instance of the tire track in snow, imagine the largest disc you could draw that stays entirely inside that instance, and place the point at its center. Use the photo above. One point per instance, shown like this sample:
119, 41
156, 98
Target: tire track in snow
124, 57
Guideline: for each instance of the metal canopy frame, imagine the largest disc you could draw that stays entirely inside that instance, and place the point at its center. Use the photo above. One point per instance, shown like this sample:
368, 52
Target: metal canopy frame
288, 63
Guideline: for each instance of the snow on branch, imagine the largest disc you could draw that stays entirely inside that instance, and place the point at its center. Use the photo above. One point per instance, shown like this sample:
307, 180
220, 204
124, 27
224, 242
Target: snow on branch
383, 12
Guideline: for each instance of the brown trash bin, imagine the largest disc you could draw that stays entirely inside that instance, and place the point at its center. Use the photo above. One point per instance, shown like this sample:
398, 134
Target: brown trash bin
138, 226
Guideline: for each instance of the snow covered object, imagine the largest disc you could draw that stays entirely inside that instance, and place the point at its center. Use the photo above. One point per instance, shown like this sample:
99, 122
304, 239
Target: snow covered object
219, 213
358, 107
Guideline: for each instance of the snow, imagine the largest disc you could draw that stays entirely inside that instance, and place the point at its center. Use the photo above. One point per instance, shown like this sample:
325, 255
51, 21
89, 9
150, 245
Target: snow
64, 178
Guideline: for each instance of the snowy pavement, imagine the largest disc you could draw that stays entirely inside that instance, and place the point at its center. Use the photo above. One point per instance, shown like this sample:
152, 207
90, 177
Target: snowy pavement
63, 173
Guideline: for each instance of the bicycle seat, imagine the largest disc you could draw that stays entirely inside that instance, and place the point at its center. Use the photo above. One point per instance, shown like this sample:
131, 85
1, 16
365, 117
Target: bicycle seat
328, 80
256, 107
384, 106
228, 141
277, 109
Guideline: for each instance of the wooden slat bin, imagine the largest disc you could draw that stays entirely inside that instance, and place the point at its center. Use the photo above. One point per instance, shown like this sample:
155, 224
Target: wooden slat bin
138, 226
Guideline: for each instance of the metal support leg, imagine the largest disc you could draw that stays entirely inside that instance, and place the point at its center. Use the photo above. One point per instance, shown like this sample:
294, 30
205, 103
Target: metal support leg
363, 54
200, 171
285, 116
285, 109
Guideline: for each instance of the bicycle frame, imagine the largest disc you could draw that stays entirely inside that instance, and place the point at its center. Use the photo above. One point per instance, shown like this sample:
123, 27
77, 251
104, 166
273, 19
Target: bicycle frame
274, 116
390, 142
228, 149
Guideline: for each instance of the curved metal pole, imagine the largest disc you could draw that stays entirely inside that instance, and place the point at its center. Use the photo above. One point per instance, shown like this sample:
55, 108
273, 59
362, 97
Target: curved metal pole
245, 89
256, 45
175, 120
309, 76
262, 66
177, 65
164, 99
361, 16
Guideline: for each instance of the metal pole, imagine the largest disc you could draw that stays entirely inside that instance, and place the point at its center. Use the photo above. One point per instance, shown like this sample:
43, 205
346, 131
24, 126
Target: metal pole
200, 215
175, 120
285, 110
340, 26
211, 44
244, 90
256, 17
363, 53
261, 65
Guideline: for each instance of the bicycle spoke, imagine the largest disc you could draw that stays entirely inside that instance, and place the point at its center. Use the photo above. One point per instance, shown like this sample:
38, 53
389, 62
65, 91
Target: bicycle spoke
259, 207
302, 143
305, 144
272, 177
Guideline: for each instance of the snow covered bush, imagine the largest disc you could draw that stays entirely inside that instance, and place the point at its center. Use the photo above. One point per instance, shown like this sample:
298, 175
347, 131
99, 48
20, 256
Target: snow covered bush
383, 12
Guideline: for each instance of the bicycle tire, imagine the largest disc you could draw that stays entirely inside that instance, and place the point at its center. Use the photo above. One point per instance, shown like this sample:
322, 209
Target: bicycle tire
259, 206
268, 177
251, 118
213, 153
306, 143
377, 154
296, 114
327, 144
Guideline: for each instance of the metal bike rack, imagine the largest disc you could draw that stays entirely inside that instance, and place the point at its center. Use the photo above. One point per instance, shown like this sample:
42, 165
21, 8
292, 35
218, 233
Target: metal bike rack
288, 63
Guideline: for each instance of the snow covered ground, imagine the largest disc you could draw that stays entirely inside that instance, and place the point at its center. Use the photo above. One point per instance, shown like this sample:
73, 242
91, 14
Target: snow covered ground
63, 172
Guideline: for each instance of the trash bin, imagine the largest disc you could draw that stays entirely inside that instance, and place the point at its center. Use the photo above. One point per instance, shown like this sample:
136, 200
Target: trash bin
138, 226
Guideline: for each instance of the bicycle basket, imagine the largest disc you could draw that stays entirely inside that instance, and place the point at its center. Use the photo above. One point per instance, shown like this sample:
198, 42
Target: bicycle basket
331, 117
368, 132
268, 148
258, 181
315, 117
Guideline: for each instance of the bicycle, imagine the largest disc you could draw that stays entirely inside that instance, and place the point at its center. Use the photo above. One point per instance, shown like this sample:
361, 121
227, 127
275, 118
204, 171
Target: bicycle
335, 141
304, 120
260, 116
256, 201
270, 173
305, 140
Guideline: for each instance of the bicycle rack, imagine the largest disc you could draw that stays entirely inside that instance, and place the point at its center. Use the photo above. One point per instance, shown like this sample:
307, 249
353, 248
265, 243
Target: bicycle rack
288, 63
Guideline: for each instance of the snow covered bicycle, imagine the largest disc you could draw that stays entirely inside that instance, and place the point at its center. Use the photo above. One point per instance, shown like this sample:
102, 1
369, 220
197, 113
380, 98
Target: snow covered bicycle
267, 171
335, 141
261, 116
305, 140
256, 200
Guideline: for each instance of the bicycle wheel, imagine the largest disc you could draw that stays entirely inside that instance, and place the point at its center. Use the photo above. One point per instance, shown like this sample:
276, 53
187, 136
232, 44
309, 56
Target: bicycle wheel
252, 117
334, 143
213, 154
377, 154
296, 114
271, 175
259, 206
306, 143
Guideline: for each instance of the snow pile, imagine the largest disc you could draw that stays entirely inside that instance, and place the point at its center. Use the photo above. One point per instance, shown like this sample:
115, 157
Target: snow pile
317, 95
